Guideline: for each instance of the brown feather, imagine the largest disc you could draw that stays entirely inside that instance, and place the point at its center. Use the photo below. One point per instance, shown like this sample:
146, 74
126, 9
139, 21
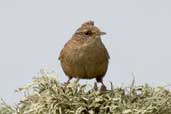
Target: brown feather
84, 55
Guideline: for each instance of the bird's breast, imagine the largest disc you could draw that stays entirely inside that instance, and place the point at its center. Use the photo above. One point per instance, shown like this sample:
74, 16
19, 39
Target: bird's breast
86, 61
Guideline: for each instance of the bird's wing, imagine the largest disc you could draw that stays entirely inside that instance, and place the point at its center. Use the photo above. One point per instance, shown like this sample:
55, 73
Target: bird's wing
62, 51
60, 55
106, 52
74, 42
108, 56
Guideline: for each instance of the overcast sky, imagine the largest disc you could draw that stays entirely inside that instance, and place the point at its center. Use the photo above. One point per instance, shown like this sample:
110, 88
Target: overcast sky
32, 33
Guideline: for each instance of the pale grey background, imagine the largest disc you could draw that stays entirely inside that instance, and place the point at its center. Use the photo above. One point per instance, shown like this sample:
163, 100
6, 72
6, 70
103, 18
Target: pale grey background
32, 33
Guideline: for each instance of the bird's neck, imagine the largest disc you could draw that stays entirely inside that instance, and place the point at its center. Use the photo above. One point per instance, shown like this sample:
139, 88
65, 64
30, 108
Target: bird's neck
93, 42
87, 42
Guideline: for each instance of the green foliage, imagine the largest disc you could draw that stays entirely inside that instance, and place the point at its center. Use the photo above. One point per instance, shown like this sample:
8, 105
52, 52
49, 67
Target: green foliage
45, 95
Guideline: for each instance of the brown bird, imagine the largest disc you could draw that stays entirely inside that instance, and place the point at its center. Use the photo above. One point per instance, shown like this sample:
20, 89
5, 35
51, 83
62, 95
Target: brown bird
84, 56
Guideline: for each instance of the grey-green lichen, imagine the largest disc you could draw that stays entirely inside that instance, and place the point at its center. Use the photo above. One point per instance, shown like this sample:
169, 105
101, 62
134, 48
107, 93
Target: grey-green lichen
46, 95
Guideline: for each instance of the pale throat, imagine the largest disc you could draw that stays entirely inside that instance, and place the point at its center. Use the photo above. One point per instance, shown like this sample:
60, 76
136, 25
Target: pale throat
91, 42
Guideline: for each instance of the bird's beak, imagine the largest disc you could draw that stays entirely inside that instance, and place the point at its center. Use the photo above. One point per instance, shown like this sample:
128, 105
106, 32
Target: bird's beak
102, 33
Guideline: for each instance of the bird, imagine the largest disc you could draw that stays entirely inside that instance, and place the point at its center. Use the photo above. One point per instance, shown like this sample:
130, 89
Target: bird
85, 56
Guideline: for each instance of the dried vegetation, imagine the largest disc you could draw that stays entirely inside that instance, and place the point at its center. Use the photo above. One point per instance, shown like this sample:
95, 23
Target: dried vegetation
46, 95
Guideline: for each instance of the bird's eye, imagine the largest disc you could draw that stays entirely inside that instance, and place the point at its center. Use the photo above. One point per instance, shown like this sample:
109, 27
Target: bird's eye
89, 33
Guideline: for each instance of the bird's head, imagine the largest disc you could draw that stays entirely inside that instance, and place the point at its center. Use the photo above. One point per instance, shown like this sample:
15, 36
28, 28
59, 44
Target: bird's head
89, 31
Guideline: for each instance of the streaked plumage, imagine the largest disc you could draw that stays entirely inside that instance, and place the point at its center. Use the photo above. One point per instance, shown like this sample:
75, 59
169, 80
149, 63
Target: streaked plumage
84, 55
